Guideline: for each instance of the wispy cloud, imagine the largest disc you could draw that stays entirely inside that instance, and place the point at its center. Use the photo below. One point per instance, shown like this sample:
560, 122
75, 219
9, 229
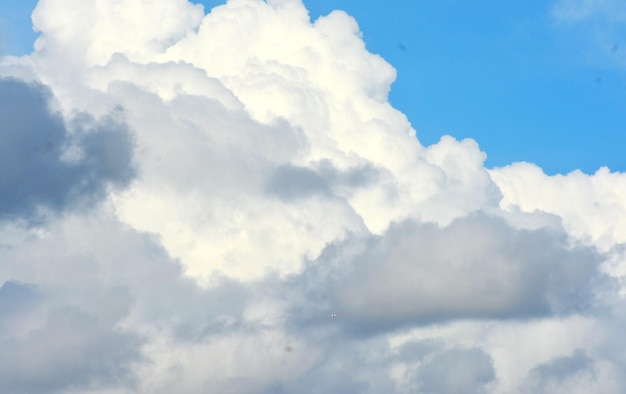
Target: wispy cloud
579, 10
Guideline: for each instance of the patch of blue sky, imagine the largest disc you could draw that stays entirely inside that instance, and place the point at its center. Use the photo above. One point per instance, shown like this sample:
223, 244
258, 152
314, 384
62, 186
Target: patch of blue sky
526, 86
16, 32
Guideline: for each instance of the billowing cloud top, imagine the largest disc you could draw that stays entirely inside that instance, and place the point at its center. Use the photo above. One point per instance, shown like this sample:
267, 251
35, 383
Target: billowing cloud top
227, 202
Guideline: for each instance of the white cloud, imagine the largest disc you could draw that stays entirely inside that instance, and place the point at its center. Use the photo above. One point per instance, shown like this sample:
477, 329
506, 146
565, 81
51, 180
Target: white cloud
591, 206
274, 214
91, 32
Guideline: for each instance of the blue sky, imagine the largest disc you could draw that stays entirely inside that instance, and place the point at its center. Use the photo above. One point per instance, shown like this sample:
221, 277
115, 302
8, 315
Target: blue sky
525, 85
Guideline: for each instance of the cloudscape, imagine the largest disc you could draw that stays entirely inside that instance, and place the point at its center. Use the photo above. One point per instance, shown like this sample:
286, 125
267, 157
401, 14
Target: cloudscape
225, 201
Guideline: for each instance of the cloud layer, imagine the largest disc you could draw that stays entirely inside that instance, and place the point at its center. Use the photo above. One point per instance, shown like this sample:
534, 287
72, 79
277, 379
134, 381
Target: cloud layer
227, 202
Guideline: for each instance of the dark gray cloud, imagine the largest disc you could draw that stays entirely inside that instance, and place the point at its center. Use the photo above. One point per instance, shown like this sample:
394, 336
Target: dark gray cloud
478, 267
36, 167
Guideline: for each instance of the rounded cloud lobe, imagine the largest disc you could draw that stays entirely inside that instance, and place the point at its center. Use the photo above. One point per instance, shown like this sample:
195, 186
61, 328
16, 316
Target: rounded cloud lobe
177, 187
476, 267
45, 165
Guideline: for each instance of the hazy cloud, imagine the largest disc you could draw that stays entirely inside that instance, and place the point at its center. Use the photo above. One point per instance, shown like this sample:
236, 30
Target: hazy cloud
72, 351
577, 10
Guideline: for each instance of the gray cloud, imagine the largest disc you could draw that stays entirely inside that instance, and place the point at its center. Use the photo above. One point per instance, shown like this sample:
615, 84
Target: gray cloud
346, 367
16, 297
114, 274
73, 350
75, 299
478, 267
35, 170
418, 350
363, 366
563, 367
290, 182
574, 373
456, 371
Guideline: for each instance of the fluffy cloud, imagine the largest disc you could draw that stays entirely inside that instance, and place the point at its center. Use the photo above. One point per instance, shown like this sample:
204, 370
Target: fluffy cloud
591, 206
45, 165
228, 203
476, 267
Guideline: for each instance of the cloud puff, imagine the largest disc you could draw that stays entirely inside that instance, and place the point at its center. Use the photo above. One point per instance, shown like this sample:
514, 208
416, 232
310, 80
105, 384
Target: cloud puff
477, 267
232, 205
591, 206
44, 165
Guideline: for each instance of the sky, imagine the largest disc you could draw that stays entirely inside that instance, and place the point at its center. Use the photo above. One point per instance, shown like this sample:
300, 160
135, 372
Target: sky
309, 196
517, 78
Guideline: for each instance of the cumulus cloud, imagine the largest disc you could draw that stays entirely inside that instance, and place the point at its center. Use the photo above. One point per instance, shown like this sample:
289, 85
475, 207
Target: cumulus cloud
227, 202
45, 165
477, 267
591, 206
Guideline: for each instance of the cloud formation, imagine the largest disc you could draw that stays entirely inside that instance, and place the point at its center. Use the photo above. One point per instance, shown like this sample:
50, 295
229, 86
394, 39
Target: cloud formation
477, 267
45, 165
227, 202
